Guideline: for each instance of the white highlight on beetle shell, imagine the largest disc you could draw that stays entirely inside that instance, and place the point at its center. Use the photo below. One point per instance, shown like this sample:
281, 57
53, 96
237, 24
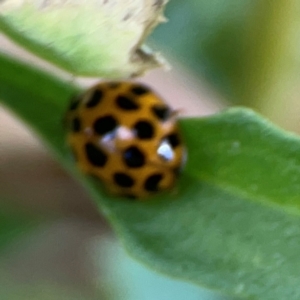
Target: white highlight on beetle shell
124, 133
165, 151
110, 140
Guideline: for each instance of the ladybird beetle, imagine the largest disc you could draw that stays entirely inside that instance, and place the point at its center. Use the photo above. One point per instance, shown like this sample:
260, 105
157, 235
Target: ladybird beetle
125, 135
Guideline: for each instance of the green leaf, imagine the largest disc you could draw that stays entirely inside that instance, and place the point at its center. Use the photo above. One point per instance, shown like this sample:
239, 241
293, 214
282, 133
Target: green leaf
85, 37
233, 223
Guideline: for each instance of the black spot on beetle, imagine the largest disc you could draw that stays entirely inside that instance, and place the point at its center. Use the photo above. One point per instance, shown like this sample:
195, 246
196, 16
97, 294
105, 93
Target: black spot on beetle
95, 98
139, 90
162, 112
126, 103
133, 157
105, 124
123, 180
76, 125
95, 155
144, 130
173, 139
152, 182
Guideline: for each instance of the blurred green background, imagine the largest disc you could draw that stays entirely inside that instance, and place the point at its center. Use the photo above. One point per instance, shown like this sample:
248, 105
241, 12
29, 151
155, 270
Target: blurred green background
247, 50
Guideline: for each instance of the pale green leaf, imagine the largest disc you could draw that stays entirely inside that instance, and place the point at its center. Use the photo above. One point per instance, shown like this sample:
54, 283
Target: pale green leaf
89, 38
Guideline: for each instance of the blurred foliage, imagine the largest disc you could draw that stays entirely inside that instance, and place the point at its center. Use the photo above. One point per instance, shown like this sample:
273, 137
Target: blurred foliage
206, 36
247, 49
14, 224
